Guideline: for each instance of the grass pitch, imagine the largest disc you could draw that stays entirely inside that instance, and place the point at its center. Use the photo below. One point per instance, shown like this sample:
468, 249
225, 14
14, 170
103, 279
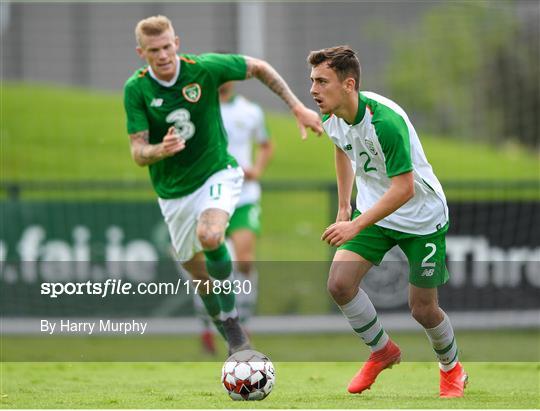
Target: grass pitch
299, 385
322, 383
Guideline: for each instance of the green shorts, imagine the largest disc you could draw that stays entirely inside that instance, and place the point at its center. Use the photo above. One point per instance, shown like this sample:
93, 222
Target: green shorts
246, 217
426, 253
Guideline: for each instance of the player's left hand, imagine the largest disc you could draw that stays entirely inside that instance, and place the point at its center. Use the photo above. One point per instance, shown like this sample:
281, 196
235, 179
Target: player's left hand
307, 118
339, 233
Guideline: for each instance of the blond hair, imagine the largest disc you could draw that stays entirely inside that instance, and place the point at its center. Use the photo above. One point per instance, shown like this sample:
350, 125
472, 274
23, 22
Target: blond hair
152, 26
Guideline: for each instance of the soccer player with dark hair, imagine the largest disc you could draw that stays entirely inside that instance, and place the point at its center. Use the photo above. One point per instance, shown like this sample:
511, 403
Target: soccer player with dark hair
399, 202
175, 127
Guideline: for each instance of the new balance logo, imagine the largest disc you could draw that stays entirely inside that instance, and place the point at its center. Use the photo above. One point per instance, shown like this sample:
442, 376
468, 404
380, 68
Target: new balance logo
157, 102
428, 272
348, 147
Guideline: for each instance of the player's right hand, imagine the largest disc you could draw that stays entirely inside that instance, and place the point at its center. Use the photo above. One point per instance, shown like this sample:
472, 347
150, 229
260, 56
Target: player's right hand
307, 118
172, 143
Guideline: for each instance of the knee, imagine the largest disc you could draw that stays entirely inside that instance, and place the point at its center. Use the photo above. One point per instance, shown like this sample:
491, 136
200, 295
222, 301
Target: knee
339, 289
210, 240
425, 313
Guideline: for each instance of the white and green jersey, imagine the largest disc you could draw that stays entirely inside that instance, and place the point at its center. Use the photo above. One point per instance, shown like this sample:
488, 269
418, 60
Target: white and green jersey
244, 122
381, 144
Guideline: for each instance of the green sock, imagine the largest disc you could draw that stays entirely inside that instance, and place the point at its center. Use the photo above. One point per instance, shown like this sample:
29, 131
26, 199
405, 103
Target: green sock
218, 262
219, 266
211, 303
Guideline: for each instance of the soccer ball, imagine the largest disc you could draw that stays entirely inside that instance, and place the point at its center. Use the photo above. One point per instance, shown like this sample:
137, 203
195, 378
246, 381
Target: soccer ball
248, 376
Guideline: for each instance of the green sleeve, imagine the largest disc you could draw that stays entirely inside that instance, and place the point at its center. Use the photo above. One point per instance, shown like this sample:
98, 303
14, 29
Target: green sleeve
135, 109
225, 67
393, 135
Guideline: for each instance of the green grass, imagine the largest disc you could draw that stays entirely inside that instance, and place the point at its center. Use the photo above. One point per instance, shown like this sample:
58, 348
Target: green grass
298, 385
312, 372
475, 346
60, 133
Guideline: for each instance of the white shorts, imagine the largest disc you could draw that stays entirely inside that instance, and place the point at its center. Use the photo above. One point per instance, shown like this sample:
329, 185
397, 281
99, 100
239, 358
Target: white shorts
221, 191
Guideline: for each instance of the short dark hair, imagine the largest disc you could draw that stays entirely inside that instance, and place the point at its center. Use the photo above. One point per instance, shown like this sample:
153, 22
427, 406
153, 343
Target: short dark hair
341, 59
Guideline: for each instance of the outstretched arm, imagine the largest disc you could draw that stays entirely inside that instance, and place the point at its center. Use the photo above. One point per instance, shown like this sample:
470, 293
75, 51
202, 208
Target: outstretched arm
305, 118
144, 153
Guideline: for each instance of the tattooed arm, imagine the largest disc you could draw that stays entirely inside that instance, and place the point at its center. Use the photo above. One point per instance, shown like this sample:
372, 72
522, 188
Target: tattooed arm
144, 153
305, 117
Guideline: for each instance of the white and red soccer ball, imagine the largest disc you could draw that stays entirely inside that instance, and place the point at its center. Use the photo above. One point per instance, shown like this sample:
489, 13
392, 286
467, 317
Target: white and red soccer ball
248, 376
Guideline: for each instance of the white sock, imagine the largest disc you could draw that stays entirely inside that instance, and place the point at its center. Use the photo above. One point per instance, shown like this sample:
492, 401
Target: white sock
223, 316
363, 319
444, 344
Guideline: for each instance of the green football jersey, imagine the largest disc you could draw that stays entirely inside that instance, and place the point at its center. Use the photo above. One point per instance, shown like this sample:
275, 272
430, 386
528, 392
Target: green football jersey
191, 104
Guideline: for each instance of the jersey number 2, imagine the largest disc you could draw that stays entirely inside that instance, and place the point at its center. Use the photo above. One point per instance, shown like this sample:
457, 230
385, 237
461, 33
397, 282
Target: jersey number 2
425, 262
367, 168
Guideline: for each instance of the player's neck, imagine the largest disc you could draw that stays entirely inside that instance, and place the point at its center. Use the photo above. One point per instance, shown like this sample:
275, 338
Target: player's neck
170, 80
169, 77
165, 79
349, 109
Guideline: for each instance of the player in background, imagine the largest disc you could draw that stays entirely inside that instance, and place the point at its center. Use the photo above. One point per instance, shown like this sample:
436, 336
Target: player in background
175, 127
399, 202
245, 126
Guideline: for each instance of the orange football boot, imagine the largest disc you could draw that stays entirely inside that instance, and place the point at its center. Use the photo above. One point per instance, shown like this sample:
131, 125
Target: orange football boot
453, 382
377, 361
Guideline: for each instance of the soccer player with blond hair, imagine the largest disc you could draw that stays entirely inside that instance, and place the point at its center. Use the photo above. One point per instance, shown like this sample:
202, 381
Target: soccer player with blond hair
175, 127
399, 202
251, 145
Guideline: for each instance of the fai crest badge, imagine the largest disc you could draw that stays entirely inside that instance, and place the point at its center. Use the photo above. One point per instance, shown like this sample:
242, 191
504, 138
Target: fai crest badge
192, 92
370, 146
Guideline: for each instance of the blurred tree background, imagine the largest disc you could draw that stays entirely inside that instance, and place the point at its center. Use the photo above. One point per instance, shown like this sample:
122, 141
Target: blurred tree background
471, 71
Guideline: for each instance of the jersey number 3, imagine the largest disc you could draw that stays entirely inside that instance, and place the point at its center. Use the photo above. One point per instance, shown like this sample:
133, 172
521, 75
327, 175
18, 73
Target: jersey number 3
181, 120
